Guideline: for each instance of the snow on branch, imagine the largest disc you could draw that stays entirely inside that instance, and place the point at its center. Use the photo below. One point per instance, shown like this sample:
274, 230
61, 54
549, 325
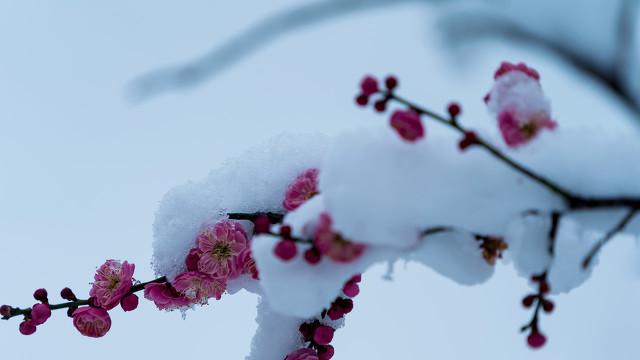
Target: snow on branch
298, 219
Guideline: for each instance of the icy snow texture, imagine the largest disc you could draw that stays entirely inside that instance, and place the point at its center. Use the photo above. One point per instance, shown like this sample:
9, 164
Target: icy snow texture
572, 245
456, 255
528, 240
300, 289
397, 189
255, 181
277, 334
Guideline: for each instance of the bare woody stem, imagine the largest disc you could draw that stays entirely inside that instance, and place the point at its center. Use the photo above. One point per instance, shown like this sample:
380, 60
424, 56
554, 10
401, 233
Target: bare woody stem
77, 303
608, 236
573, 201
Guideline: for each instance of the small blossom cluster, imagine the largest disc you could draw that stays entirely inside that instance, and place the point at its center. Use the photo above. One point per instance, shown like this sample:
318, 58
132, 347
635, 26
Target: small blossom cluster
112, 287
537, 339
318, 335
222, 253
325, 242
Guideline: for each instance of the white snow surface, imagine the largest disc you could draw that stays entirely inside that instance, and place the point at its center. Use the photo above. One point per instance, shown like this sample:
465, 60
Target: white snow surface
456, 255
253, 182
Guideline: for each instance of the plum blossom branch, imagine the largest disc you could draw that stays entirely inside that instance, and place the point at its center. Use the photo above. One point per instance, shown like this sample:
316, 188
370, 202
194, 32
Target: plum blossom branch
573, 201
12, 312
620, 226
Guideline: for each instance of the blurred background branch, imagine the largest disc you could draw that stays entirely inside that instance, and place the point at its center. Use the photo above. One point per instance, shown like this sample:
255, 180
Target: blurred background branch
599, 37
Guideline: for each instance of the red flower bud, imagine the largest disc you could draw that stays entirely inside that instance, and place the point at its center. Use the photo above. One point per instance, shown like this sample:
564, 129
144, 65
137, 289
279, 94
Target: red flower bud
528, 300
67, 294
454, 109
5, 311
391, 82
41, 295
27, 327
285, 249
313, 255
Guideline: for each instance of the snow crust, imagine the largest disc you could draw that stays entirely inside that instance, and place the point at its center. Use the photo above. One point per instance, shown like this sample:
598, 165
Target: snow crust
255, 181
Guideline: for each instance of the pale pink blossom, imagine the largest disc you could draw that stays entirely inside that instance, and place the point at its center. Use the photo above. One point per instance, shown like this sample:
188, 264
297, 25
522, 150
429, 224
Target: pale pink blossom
165, 297
332, 244
219, 245
303, 354
303, 188
92, 321
112, 282
519, 104
199, 287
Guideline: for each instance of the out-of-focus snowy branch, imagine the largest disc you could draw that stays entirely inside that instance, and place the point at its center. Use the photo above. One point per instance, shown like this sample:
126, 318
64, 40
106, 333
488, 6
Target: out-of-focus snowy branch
243, 44
620, 226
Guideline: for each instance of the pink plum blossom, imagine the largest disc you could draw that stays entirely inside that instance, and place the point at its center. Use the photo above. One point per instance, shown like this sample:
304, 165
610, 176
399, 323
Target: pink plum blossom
332, 244
198, 287
516, 133
303, 354
164, 296
303, 188
519, 104
92, 321
192, 259
112, 282
407, 124
219, 245
246, 264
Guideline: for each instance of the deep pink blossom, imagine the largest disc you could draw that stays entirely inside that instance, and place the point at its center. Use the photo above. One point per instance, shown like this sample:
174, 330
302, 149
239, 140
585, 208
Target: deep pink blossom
246, 264
192, 259
129, 302
199, 287
407, 124
27, 327
92, 321
164, 296
303, 188
519, 132
506, 67
332, 244
303, 354
219, 245
40, 313
323, 334
112, 282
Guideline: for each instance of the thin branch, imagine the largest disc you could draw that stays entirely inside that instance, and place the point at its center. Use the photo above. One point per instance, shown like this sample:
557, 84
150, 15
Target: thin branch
77, 303
573, 201
274, 218
620, 226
